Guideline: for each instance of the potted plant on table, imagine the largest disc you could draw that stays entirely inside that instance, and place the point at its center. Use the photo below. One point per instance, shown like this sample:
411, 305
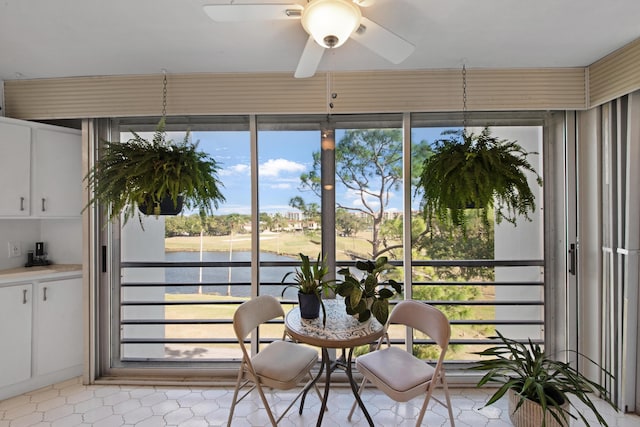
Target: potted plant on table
151, 174
537, 386
471, 171
368, 295
310, 281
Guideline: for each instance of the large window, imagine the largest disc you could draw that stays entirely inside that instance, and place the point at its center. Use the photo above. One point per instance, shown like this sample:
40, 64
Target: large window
489, 276
166, 309
289, 215
291, 191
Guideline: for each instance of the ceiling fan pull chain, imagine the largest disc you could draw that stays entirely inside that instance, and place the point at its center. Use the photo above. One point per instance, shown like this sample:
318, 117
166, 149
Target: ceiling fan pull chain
330, 94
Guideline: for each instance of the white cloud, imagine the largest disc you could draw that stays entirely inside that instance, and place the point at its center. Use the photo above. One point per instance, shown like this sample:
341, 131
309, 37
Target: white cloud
274, 167
275, 208
239, 169
229, 209
352, 198
281, 186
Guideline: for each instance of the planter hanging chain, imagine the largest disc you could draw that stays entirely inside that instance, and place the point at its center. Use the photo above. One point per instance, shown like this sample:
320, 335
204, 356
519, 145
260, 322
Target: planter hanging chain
164, 93
464, 99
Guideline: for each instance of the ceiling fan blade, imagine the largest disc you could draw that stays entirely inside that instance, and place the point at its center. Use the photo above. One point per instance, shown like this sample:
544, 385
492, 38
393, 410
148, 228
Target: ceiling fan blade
252, 12
390, 46
310, 59
364, 3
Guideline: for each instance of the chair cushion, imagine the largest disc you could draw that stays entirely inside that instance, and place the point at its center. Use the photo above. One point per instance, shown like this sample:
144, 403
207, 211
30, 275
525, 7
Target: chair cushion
399, 374
282, 364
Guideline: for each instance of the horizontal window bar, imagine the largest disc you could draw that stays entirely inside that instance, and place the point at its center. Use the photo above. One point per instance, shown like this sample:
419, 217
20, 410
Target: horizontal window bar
178, 341
239, 284
224, 302
177, 322
466, 342
292, 263
230, 321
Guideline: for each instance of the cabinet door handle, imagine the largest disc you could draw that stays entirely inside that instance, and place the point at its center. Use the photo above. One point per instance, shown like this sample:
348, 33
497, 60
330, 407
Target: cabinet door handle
21, 203
43, 209
44, 293
24, 296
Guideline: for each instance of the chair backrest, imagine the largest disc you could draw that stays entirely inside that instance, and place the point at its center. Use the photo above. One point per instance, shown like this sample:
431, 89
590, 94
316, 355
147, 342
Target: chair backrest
253, 313
423, 317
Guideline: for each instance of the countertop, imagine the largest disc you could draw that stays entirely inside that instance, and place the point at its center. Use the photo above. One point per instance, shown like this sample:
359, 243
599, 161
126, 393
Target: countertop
52, 271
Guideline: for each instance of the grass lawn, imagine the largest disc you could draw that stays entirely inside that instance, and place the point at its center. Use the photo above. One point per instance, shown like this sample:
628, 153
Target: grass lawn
200, 312
290, 244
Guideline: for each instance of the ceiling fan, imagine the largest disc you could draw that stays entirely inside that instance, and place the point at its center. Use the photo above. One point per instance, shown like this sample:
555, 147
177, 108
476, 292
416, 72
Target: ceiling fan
329, 23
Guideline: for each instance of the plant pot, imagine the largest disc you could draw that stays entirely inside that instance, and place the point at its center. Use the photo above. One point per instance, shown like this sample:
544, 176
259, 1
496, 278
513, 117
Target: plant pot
309, 305
165, 207
530, 413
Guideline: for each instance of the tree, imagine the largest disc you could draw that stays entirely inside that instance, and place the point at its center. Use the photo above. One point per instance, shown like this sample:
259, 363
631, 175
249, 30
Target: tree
311, 211
369, 164
184, 225
279, 222
234, 223
347, 223
266, 222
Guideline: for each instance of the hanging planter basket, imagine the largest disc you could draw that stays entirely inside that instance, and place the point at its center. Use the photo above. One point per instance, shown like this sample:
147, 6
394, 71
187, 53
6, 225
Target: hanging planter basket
166, 206
127, 173
476, 171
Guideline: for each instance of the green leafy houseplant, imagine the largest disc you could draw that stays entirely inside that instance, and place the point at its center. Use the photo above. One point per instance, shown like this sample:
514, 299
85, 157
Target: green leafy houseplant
139, 172
368, 295
534, 376
310, 281
470, 170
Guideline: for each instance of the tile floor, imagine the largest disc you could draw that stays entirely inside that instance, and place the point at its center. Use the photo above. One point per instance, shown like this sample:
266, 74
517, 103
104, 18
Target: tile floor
72, 404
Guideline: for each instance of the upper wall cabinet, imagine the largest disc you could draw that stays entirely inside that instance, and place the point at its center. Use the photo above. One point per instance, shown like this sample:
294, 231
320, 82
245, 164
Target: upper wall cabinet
57, 172
40, 170
15, 169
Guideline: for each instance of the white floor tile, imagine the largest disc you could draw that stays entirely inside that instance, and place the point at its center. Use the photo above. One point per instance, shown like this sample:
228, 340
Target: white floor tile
71, 404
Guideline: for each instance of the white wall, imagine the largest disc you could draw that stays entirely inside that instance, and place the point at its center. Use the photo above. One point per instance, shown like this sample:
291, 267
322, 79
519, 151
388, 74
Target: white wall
524, 241
26, 232
63, 240
62, 237
143, 245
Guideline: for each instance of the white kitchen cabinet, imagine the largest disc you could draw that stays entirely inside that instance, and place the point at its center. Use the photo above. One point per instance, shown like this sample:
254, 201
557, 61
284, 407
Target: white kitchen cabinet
58, 329
57, 173
40, 170
16, 307
41, 332
15, 168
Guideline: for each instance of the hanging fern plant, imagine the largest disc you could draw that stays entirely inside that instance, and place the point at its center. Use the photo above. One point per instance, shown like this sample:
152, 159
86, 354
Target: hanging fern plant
472, 171
143, 173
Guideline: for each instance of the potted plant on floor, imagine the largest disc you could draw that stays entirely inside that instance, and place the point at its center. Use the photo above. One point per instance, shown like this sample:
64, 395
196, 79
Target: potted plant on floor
150, 174
470, 170
537, 386
368, 295
310, 281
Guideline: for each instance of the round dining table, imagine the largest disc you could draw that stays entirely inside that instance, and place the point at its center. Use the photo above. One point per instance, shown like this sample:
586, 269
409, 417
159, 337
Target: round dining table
341, 331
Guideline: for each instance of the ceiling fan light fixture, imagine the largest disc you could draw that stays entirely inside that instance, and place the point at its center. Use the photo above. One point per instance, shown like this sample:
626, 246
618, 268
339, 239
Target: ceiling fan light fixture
331, 22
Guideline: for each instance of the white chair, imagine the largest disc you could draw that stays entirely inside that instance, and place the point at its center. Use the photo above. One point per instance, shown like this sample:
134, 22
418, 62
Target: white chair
398, 373
281, 365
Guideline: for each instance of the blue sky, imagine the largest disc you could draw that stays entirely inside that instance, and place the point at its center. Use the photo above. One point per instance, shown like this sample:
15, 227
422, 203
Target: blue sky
283, 156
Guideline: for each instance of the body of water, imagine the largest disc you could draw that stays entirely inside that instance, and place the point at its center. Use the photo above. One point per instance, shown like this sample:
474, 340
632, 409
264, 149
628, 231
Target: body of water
216, 280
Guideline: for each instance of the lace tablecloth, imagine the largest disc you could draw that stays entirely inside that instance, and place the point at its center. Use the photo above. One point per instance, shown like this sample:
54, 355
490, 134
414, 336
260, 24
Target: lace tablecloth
342, 330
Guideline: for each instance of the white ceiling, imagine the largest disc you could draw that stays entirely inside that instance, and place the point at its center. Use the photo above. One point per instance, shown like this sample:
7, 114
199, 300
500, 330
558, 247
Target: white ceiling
58, 38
